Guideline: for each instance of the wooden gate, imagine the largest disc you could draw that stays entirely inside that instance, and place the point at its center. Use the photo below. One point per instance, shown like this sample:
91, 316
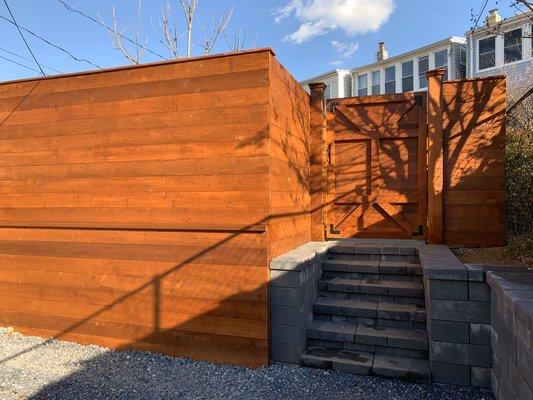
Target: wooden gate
377, 166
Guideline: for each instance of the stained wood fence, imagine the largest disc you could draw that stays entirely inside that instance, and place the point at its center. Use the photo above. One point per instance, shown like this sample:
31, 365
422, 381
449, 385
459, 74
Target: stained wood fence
428, 165
140, 206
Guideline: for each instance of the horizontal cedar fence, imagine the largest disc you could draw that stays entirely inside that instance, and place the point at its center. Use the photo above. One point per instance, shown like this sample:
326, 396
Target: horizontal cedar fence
139, 207
470, 155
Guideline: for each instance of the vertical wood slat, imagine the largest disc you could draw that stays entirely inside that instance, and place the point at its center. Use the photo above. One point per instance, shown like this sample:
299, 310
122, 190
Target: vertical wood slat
317, 131
329, 215
435, 156
422, 163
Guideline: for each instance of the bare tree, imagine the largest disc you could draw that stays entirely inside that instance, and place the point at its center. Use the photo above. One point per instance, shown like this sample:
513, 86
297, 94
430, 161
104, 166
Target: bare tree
238, 41
117, 35
211, 38
189, 9
169, 30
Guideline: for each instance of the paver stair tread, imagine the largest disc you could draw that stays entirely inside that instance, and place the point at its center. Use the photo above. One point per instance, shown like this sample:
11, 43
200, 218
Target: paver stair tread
379, 286
356, 266
330, 330
360, 308
339, 360
415, 339
387, 366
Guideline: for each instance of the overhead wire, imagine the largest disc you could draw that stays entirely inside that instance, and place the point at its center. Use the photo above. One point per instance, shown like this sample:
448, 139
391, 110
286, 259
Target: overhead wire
23, 38
51, 43
30, 60
18, 63
131, 41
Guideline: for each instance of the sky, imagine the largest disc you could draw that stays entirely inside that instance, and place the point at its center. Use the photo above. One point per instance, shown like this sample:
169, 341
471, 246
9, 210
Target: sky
309, 37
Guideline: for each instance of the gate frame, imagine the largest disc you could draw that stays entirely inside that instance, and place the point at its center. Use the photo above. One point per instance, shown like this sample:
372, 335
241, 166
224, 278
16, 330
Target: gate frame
430, 184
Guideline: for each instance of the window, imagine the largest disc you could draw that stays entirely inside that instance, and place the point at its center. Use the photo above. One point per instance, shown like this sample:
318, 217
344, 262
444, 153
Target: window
362, 85
407, 76
390, 80
487, 52
423, 67
376, 82
512, 46
441, 61
327, 92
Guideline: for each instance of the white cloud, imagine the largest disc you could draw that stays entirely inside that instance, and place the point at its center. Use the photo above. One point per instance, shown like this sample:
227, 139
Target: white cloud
344, 49
336, 63
318, 17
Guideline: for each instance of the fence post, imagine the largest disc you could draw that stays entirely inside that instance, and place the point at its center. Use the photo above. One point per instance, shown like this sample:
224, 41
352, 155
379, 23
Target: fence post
435, 157
316, 152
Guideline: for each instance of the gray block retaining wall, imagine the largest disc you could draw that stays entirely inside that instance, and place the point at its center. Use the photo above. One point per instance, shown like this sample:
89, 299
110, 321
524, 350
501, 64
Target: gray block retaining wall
458, 318
512, 334
294, 280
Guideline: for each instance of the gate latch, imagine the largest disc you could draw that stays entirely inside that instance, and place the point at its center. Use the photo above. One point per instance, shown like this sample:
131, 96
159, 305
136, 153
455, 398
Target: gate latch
419, 232
329, 153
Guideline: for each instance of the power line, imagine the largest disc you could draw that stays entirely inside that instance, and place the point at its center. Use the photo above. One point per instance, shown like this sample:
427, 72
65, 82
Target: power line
23, 38
484, 5
16, 62
28, 59
75, 10
51, 44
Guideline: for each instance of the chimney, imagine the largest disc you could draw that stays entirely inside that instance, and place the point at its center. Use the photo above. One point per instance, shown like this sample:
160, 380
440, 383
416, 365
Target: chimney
493, 18
382, 53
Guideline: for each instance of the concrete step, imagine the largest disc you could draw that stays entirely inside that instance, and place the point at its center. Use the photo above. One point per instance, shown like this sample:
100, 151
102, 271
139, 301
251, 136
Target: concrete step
375, 286
339, 360
354, 275
361, 267
387, 366
348, 332
368, 348
372, 297
414, 339
369, 309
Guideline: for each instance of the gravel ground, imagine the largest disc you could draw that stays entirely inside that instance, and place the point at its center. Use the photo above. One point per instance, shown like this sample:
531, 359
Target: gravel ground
33, 368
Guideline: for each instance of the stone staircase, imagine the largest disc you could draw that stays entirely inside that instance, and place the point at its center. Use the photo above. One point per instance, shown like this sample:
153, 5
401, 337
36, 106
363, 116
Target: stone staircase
370, 317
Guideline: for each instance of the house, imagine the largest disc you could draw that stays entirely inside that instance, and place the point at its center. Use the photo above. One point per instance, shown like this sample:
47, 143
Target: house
407, 72
502, 47
402, 73
338, 83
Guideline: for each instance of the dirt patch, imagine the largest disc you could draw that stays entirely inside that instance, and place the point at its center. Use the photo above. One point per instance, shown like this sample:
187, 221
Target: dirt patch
492, 256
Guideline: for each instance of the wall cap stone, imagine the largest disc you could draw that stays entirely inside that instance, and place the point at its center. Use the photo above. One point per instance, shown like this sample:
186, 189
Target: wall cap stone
438, 262
300, 257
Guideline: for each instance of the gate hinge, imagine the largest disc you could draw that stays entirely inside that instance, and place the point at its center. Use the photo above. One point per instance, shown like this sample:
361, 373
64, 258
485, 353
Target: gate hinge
334, 231
418, 99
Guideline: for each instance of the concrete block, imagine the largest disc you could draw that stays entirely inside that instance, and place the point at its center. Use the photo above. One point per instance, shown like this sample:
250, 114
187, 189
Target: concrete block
476, 272
524, 361
480, 334
465, 311
448, 290
521, 384
450, 373
479, 291
459, 353
450, 331
439, 262
480, 377
288, 334
285, 278
282, 315
283, 296
286, 353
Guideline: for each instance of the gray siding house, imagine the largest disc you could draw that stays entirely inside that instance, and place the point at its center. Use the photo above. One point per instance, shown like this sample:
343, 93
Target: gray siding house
503, 47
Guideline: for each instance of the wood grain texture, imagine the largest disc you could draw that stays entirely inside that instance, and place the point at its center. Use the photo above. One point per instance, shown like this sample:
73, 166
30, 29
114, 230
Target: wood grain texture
139, 207
474, 161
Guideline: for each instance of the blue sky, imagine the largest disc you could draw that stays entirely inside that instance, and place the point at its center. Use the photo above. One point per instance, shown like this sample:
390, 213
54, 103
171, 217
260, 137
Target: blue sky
308, 36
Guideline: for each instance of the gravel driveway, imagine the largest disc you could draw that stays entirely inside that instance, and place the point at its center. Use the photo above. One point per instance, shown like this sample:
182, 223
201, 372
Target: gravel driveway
33, 368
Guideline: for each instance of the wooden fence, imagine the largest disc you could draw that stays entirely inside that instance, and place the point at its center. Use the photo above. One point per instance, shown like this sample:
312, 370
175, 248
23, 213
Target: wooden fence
139, 206
376, 175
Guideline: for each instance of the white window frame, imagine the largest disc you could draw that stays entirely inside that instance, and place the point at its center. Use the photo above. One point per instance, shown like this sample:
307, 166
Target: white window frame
418, 71
362, 88
395, 78
495, 53
372, 82
412, 76
527, 44
521, 28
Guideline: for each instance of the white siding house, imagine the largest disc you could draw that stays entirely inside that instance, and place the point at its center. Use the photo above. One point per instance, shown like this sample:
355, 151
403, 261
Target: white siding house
407, 72
503, 47
338, 83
